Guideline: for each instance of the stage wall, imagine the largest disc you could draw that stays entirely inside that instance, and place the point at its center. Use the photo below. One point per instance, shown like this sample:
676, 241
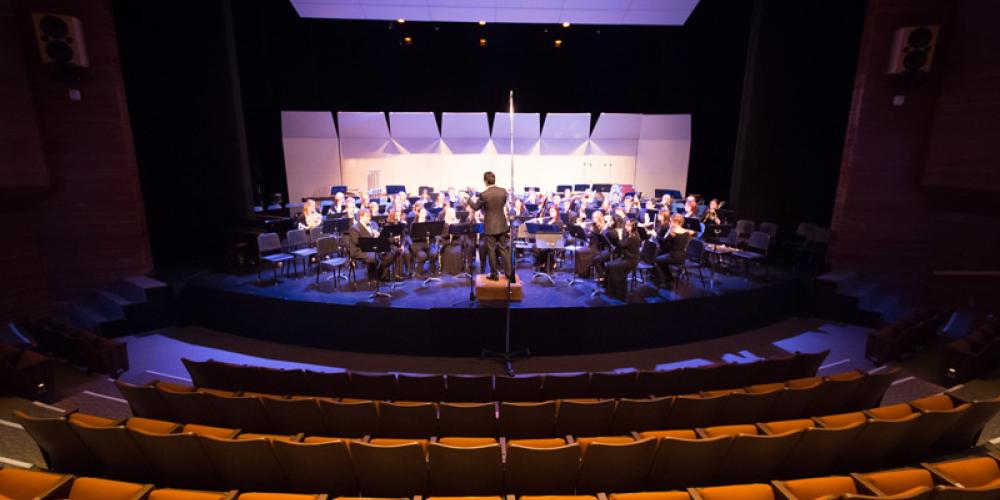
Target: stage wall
367, 150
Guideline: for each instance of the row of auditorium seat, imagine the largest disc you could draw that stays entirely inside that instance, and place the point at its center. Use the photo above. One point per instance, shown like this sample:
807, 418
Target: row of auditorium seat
254, 412
484, 388
972, 477
198, 456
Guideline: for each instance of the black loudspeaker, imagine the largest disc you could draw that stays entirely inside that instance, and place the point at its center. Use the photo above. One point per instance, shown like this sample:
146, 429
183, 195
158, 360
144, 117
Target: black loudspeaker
912, 49
60, 39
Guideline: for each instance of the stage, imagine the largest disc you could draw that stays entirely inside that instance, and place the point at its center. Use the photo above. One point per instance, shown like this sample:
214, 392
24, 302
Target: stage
439, 320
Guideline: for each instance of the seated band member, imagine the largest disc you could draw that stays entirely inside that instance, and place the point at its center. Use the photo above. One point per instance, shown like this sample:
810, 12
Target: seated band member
618, 269
711, 215
597, 252
310, 218
691, 208
453, 247
542, 260
423, 250
673, 249
365, 228
404, 258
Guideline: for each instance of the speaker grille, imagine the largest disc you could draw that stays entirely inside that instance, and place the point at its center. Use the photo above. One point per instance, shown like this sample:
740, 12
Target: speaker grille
53, 27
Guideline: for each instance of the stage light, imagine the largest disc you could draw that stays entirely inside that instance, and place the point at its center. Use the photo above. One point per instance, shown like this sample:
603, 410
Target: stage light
482, 42
401, 20
565, 24
557, 43
407, 40
482, 23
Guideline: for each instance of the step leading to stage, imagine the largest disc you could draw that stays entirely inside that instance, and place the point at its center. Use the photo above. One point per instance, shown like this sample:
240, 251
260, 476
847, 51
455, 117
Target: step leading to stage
488, 290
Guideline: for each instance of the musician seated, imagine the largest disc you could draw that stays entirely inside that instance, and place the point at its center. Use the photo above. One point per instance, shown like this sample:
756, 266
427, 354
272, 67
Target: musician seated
365, 228
628, 258
404, 257
597, 252
542, 256
673, 250
310, 218
711, 215
423, 250
691, 208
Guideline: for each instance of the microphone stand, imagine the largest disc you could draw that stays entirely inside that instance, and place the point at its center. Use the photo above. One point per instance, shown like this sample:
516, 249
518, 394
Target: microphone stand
507, 357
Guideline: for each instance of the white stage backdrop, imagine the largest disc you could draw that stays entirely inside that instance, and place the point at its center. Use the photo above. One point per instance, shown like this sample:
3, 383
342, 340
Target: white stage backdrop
648, 151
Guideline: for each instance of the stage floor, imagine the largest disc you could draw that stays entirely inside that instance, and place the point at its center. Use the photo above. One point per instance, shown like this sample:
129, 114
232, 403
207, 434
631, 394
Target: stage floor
451, 291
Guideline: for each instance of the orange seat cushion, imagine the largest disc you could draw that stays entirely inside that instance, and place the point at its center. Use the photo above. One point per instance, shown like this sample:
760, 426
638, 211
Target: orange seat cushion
760, 388
971, 472
22, 483
89, 488
891, 412
354, 400
174, 494
91, 420
816, 487
322, 439
842, 419
894, 482
851, 375
670, 433
937, 402
651, 495
208, 430
722, 392
150, 425
275, 496
172, 387
272, 437
586, 441
558, 497
217, 392
782, 426
467, 442
730, 430
538, 443
801, 383
738, 492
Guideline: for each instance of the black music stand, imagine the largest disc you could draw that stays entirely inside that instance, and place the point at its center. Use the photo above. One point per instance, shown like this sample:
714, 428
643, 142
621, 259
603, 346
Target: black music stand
611, 250
378, 246
577, 233
459, 230
552, 232
390, 232
428, 230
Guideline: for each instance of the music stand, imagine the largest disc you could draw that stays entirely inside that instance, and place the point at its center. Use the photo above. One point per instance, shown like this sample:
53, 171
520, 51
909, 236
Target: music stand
378, 246
392, 189
563, 187
459, 230
602, 188
390, 232
428, 230
577, 233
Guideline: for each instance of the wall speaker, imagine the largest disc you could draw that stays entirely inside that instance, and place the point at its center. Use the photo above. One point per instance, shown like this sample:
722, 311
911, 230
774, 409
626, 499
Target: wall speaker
60, 39
912, 49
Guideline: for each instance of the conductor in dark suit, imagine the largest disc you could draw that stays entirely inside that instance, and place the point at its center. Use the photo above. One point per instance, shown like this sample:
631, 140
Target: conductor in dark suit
495, 227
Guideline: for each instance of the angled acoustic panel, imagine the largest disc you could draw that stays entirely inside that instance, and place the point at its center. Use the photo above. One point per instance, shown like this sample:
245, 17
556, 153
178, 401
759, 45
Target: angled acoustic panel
465, 126
307, 124
421, 125
311, 152
568, 126
363, 125
617, 126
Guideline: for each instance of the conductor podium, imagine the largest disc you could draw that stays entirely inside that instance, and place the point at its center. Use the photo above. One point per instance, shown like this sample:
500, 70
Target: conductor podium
489, 291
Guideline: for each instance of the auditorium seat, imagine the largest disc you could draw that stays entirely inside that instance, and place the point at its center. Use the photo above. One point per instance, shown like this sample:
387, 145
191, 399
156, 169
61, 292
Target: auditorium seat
651, 495
188, 405
179, 460
558, 497
873, 444
614, 385
773, 369
733, 492
979, 474
469, 389
659, 383
467, 442
871, 390
806, 364
399, 441
61, 448
518, 388
681, 462
584, 442
89, 488
889, 412
390, 471
175, 494
145, 400
640, 414
242, 412
702, 378
209, 430
281, 381
917, 483
270, 437
465, 471
726, 430
615, 466
690, 411
18, 484
350, 418
566, 386
317, 466
782, 426
817, 451
527, 420
918, 444
248, 465
538, 443
280, 496
724, 375
329, 384
815, 487
541, 471
467, 419
374, 386
964, 433
754, 458
407, 420
211, 373
429, 388
291, 416
584, 417
674, 433
152, 425
834, 393
741, 407
115, 451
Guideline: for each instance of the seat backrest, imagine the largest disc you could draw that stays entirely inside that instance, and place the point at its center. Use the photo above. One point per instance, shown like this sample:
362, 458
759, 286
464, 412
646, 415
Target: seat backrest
408, 420
834, 393
869, 393
755, 458
248, 464
689, 412
191, 407
584, 417
332, 384
659, 383
242, 412
616, 467
566, 386
681, 462
469, 388
467, 419
296, 238
115, 450
897, 481
326, 246
292, 416
353, 419
268, 242
770, 228
374, 386
61, 447
695, 249
313, 467
744, 226
144, 401
754, 491
640, 415
179, 460
816, 487
759, 241
461, 471
876, 440
527, 420
542, 471
966, 431
816, 452
741, 407
397, 471
421, 388
518, 388
89, 488
23, 483
918, 444
614, 385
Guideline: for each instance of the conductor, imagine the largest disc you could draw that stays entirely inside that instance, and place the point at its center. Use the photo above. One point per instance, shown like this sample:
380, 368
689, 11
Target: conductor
495, 226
